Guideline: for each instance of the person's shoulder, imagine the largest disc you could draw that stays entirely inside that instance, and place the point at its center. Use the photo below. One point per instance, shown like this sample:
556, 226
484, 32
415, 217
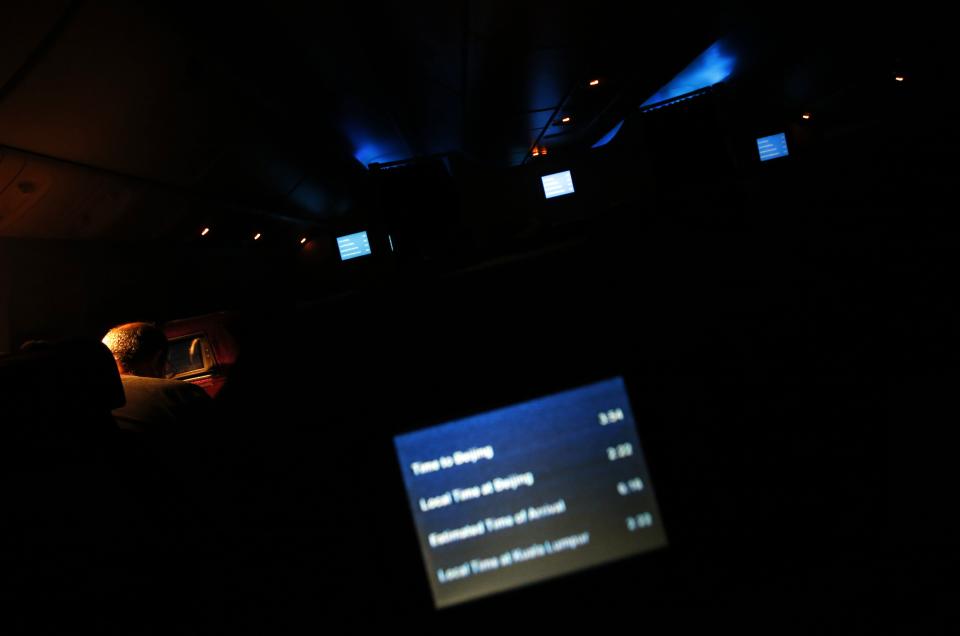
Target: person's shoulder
174, 389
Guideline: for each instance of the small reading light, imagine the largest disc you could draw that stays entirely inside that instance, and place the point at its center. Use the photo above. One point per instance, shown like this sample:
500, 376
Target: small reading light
536, 152
899, 78
206, 231
806, 115
566, 119
543, 151
303, 240
594, 82
256, 237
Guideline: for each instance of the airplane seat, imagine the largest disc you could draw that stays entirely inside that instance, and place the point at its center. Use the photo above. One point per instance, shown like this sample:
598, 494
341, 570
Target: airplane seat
75, 376
86, 509
56, 401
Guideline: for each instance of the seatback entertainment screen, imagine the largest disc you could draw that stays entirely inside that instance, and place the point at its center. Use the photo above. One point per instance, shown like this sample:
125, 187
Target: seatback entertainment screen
530, 491
557, 184
353, 245
772, 147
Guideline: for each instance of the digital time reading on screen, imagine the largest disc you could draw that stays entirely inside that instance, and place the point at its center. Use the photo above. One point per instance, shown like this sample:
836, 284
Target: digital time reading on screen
529, 492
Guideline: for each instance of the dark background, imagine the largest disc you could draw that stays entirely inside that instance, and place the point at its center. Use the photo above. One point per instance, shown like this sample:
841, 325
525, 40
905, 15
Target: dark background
765, 316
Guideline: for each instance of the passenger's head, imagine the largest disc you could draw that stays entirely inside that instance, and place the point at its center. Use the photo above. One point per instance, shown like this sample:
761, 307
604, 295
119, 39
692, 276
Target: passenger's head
139, 349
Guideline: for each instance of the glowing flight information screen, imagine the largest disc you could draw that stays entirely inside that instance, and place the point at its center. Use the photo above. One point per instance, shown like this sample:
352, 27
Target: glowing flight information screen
772, 147
353, 245
557, 184
529, 492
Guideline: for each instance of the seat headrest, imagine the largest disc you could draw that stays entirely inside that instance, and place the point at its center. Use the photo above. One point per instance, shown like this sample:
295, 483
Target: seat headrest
75, 375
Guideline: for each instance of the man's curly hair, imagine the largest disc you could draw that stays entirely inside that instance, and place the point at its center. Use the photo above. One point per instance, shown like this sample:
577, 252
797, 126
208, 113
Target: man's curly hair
135, 342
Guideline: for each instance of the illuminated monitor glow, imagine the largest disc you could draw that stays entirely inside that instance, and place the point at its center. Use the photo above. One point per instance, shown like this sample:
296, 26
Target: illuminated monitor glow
772, 147
557, 184
529, 492
353, 245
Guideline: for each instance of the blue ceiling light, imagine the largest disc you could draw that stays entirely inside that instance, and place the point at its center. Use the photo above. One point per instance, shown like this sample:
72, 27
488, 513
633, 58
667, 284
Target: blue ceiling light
368, 151
373, 137
711, 67
609, 136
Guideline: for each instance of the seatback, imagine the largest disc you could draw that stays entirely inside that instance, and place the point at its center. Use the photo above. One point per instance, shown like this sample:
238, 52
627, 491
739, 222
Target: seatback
77, 376
87, 508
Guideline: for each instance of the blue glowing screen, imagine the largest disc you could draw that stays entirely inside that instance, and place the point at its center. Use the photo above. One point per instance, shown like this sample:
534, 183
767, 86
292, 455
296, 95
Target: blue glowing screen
711, 67
530, 491
557, 184
353, 245
772, 147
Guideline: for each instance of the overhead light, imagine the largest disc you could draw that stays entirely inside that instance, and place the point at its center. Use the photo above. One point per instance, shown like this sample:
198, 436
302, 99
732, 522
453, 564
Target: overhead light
256, 237
566, 119
543, 150
899, 78
205, 231
594, 82
536, 152
303, 240
806, 115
